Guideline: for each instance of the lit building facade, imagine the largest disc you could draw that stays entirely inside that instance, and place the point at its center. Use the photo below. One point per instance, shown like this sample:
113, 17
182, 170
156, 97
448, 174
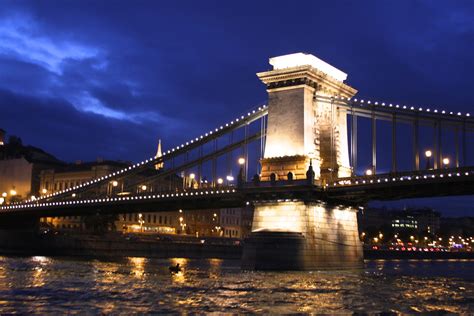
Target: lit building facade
149, 223
65, 177
20, 168
236, 222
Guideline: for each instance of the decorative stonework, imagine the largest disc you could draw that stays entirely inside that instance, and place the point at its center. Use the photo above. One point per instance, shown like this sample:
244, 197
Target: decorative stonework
305, 75
301, 125
280, 166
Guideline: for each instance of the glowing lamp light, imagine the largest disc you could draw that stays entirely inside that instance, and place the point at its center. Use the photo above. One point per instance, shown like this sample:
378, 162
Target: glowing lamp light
44, 191
230, 178
143, 187
114, 183
13, 192
241, 161
369, 172
428, 154
220, 181
2, 200
446, 161
192, 176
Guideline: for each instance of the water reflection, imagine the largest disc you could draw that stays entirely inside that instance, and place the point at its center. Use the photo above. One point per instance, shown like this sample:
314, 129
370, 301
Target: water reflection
140, 285
137, 266
179, 277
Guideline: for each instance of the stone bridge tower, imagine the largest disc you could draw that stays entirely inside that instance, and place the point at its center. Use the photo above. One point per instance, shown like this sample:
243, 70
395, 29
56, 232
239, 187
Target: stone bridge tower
308, 233
300, 126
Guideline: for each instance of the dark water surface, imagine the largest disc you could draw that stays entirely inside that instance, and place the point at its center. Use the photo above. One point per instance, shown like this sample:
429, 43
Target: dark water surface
137, 285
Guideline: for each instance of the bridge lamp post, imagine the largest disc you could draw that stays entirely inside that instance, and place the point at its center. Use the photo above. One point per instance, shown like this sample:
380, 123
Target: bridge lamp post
242, 176
143, 187
229, 178
369, 172
113, 184
446, 162
220, 181
44, 191
428, 155
192, 176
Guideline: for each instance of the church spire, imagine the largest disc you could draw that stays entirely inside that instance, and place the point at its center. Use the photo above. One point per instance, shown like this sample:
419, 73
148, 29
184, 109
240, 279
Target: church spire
159, 165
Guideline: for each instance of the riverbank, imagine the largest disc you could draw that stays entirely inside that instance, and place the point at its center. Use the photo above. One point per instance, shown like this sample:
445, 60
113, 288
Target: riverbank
416, 255
120, 245
116, 245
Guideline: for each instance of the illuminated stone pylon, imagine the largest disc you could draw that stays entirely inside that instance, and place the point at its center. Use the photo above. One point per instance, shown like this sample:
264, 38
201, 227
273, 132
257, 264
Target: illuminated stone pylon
300, 126
308, 233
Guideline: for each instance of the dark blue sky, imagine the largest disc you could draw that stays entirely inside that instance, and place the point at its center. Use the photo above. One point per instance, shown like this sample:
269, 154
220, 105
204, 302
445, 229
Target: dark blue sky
85, 79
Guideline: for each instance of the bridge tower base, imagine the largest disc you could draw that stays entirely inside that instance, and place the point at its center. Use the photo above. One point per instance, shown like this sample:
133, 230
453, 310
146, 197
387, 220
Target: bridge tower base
302, 236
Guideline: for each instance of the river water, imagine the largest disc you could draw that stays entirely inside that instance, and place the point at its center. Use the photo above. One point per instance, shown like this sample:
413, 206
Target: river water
43, 285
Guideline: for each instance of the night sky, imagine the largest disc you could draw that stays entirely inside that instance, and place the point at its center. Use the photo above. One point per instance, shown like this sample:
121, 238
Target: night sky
106, 79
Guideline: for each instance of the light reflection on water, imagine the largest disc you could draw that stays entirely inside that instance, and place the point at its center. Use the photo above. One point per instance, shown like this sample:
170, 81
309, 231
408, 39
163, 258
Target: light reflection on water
140, 285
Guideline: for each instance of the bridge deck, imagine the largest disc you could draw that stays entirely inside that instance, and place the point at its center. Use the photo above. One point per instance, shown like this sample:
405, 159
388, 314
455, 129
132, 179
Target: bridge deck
349, 191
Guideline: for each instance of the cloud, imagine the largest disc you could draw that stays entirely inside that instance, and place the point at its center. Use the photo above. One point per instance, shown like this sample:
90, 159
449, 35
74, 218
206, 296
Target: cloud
66, 68
20, 37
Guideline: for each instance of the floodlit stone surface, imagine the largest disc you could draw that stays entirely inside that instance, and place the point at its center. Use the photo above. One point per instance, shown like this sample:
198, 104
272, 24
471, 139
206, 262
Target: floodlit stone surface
302, 236
299, 125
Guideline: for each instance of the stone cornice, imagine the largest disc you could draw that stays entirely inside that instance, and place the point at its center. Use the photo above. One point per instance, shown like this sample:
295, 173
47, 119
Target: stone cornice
305, 75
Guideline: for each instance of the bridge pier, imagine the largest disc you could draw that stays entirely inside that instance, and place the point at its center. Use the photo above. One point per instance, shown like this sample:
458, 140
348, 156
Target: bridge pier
301, 235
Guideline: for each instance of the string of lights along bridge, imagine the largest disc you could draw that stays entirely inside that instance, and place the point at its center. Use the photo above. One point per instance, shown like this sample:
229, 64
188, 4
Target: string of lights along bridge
296, 160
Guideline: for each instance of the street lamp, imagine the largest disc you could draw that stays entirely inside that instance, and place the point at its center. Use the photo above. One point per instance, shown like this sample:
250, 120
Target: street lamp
369, 172
428, 155
143, 187
446, 162
114, 183
44, 191
13, 192
4, 194
192, 176
2, 200
141, 221
242, 177
220, 181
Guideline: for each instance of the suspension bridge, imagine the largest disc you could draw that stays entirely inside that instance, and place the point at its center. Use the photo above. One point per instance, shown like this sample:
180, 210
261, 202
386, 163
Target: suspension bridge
298, 165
